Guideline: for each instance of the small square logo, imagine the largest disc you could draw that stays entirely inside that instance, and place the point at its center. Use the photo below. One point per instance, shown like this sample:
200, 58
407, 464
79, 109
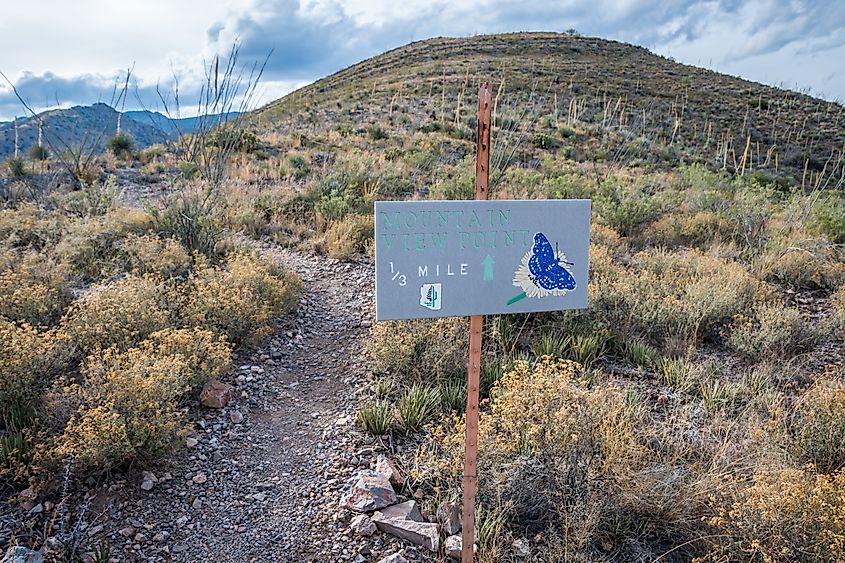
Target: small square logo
430, 296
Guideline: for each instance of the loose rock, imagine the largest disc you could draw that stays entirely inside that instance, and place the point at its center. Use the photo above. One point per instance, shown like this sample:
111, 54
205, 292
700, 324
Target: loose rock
20, 554
387, 467
362, 526
368, 491
449, 516
394, 558
425, 534
216, 394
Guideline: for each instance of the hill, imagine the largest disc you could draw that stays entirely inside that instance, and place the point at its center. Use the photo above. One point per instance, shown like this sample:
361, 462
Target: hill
656, 108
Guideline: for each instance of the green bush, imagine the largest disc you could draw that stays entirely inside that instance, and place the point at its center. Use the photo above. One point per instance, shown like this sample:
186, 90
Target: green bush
626, 208
121, 146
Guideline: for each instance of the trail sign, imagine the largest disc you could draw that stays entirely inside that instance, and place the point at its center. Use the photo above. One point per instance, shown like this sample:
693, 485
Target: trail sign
463, 258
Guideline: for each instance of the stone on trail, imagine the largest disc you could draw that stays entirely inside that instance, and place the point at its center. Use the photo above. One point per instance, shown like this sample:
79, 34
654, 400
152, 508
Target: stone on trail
394, 558
449, 516
362, 526
407, 510
368, 491
387, 467
454, 545
425, 534
148, 481
216, 394
20, 554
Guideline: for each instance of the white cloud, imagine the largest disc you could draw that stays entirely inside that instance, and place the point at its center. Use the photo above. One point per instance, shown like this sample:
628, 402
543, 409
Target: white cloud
795, 43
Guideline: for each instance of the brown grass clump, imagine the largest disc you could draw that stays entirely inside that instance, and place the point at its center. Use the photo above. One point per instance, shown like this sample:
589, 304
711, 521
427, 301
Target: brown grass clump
29, 226
349, 237
837, 301
163, 258
802, 261
816, 427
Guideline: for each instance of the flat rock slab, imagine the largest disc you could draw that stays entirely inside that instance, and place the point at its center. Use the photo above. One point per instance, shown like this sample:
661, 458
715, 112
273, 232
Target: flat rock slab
425, 534
407, 510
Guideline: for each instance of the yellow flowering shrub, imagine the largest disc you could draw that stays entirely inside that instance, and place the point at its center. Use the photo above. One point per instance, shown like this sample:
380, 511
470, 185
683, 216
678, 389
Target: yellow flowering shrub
240, 298
27, 360
816, 427
149, 254
662, 293
93, 247
32, 289
551, 449
29, 226
771, 331
793, 515
803, 261
126, 404
420, 350
121, 314
837, 302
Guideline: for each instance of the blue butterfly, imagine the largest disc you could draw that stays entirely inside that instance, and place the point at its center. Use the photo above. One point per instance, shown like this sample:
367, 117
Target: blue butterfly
547, 270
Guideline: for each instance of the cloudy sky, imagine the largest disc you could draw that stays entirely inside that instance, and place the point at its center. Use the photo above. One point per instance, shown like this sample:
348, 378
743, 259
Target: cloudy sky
60, 52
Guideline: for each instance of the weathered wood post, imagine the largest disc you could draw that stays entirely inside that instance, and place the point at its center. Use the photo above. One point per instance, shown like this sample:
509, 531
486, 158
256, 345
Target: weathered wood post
476, 324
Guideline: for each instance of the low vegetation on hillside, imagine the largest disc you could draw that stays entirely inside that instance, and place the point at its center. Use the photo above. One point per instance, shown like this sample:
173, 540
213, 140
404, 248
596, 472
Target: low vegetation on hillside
693, 411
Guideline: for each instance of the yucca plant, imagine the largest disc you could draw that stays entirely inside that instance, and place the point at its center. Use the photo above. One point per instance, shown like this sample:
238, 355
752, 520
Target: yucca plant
587, 348
551, 344
491, 373
679, 374
505, 335
383, 388
453, 395
376, 417
640, 353
417, 406
718, 394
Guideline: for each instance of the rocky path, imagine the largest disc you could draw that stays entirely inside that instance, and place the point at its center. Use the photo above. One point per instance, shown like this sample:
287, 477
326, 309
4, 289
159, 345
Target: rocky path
259, 480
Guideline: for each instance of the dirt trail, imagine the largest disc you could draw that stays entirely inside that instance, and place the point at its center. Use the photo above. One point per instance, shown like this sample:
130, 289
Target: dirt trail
265, 489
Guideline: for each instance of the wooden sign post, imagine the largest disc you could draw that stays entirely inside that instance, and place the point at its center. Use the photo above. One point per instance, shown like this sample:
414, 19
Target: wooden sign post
476, 324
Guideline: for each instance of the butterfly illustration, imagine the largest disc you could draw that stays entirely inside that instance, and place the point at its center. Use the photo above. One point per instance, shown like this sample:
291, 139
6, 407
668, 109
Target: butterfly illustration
547, 268
543, 271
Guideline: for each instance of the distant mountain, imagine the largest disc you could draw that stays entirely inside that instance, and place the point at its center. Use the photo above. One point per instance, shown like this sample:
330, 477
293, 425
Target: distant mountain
174, 126
92, 126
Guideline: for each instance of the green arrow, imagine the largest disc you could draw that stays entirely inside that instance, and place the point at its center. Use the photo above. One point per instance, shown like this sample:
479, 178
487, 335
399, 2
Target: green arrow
488, 268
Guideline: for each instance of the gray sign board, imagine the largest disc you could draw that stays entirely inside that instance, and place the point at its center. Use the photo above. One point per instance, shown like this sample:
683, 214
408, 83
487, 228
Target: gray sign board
462, 258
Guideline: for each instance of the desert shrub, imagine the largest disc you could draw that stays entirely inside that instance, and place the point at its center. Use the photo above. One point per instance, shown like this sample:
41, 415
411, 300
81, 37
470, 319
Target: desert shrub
27, 360
164, 258
802, 262
349, 237
782, 515
92, 248
239, 298
190, 217
32, 289
377, 133
626, 208
815, 428
684, 229
828, 217
298, 166
564, 459
771, 331
29, 226
117, 315
38, 153
459, 186
16, 167
126, 405
662, 294
90, 200
421, 350
121, 145
837, 302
